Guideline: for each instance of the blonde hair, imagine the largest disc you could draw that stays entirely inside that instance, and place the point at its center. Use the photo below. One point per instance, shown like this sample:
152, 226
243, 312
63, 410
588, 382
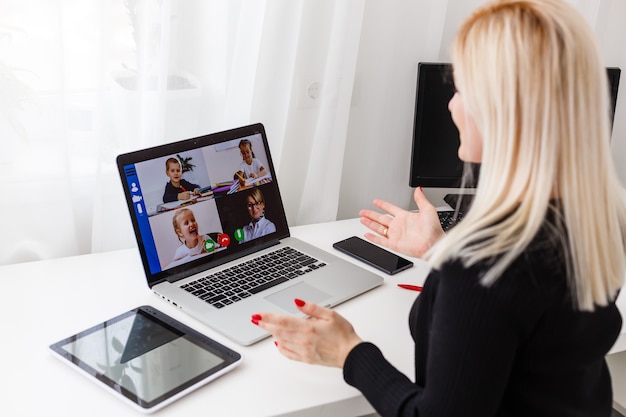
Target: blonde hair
175, 219
257, 195
531, 78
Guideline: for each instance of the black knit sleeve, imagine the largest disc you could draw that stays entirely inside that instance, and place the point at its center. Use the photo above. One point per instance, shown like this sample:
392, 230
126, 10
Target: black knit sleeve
383, 385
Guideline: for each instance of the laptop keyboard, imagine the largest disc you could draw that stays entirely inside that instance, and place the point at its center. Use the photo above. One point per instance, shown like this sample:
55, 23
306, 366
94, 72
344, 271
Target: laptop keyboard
241, 281
448, 220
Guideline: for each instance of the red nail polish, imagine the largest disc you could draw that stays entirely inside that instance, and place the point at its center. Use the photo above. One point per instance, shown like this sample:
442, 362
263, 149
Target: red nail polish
299, 302
255, 319
276, 343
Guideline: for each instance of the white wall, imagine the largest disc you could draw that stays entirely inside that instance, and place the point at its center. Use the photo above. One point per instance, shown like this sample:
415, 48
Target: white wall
396, 36
611, 37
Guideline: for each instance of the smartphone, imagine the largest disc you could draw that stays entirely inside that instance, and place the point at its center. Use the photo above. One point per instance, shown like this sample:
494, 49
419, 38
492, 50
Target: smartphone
373, 255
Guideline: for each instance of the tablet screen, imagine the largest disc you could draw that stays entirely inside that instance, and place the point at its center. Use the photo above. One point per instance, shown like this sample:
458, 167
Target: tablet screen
146, 356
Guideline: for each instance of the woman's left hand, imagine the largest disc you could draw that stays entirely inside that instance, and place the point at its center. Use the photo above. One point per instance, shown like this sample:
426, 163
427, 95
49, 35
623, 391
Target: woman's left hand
410, 233
324, 338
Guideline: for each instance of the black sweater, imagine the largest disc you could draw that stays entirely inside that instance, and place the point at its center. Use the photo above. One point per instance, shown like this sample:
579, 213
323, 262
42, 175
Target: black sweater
517, 348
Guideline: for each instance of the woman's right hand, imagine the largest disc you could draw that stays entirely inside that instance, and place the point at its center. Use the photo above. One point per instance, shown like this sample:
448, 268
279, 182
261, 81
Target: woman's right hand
411, 233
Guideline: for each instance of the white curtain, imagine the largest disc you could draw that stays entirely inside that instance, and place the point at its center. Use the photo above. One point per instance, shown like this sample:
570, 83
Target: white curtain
85, 80
82, 81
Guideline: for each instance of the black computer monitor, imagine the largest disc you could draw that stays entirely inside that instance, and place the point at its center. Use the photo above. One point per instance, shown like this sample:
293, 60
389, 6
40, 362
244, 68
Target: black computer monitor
434, 157
614, 74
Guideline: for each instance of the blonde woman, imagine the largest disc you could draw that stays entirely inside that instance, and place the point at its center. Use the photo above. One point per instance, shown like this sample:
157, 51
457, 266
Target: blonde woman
518, 312
259, 225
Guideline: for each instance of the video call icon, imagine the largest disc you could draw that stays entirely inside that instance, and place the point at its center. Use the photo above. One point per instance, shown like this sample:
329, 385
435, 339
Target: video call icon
223, 239
209, 245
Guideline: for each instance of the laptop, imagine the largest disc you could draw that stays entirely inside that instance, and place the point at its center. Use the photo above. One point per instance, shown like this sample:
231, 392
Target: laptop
205, 212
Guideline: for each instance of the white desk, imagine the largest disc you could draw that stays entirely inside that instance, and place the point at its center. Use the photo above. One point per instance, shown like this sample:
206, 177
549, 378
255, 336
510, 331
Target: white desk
49, 300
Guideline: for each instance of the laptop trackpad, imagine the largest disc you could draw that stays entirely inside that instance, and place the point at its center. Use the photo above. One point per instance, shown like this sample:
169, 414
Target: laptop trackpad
303, 291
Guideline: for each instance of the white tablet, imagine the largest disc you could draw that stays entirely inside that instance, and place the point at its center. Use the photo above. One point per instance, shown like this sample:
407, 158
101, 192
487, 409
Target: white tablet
146, 357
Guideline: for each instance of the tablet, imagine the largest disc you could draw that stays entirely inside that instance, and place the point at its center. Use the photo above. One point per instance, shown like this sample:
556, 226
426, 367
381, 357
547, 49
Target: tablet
146, 357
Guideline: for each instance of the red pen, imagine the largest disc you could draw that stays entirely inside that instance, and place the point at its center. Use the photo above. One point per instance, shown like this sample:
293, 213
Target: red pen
183, 188
410, 287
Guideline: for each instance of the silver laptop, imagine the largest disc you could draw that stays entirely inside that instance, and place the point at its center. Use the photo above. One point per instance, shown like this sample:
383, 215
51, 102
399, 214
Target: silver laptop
213, 236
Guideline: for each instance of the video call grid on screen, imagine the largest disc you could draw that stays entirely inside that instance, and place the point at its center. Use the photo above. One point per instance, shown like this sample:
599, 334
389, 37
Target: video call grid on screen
220, 214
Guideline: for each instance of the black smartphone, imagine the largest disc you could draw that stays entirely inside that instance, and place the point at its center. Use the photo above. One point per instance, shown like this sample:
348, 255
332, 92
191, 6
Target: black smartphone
373, 255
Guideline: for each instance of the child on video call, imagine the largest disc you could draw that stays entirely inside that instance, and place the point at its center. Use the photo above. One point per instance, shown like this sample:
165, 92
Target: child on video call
250, 166
186, 228
177, 188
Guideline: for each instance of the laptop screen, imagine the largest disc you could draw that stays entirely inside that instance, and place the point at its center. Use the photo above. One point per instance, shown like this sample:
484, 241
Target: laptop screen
202, 202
